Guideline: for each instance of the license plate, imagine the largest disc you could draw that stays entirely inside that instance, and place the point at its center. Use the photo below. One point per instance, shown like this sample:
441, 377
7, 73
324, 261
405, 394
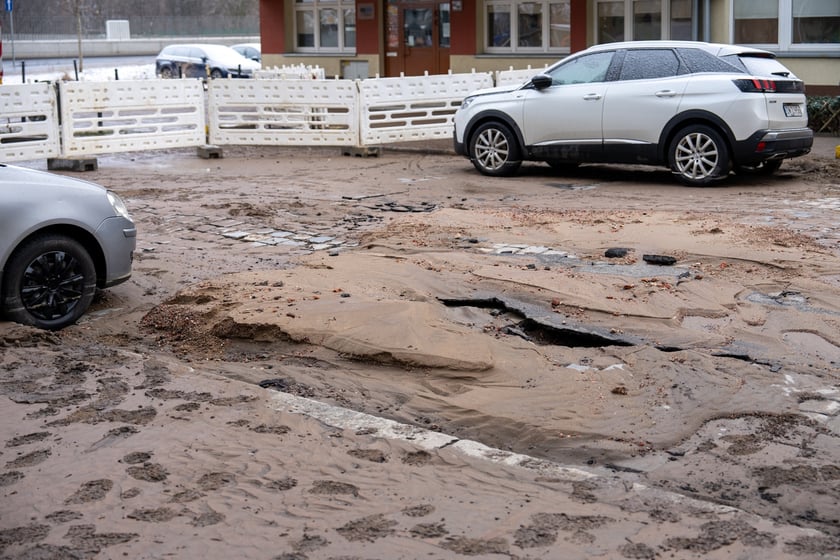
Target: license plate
793, 110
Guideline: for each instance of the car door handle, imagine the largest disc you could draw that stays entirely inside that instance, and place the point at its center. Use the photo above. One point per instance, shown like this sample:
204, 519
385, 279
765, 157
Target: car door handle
592, 97
665, 93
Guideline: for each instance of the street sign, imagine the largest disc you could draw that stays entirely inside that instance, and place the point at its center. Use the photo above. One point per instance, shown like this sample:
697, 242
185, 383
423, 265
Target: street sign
9, 5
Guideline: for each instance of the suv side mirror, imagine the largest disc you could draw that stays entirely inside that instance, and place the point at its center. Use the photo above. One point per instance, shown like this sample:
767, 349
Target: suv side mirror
541, 81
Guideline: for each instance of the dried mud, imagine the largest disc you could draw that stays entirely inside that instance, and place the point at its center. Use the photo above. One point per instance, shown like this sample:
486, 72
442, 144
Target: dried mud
701, 396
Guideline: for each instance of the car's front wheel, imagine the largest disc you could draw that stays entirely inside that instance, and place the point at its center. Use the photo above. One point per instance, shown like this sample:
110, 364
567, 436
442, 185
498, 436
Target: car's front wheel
49, 282
494, 150
698, 155
166, 72
216, 73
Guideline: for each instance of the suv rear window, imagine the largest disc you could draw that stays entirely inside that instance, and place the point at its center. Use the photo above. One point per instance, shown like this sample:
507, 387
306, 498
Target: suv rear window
646, 64
760, 66
699, 60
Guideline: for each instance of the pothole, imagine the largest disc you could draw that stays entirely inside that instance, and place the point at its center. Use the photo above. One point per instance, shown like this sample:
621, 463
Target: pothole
540, 331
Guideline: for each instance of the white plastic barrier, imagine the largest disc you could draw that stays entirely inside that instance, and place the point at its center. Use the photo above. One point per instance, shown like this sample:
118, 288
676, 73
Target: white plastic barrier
517, 77
125, 116
414, 108
28, 122
293, 72
283, 112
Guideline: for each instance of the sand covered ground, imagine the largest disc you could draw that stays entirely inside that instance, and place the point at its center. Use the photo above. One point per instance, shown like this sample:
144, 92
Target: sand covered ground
325, 356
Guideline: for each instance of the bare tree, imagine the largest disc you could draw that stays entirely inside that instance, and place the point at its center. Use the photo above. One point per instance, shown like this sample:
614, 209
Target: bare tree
80, 9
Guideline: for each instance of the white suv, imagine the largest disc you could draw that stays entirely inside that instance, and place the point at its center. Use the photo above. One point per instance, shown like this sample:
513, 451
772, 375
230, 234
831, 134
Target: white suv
701, 109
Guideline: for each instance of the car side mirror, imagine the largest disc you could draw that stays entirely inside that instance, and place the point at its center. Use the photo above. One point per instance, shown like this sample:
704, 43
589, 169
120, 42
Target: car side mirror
541, 81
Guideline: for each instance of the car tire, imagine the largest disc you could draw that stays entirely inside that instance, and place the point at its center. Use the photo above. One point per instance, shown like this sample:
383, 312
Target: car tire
49, 282
764, 168
699, 156
166, 72
494, 150
216, 73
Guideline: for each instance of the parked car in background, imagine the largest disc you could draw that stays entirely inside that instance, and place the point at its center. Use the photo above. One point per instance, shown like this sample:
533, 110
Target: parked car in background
249, 50
201, 61
701, 109
60, 239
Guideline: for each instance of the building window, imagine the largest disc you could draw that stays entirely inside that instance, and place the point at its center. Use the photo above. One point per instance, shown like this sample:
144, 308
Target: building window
647, 20
539, 26
681, 28
325, 26
816, 21
756, 23
639, 20
610, 22
787, 24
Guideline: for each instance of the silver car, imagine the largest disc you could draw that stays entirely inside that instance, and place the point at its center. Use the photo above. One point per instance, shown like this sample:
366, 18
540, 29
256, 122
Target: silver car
202, 61
700, 109
60, 239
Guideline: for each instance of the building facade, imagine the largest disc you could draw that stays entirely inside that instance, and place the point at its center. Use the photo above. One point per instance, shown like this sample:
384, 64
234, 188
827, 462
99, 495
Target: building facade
367, 38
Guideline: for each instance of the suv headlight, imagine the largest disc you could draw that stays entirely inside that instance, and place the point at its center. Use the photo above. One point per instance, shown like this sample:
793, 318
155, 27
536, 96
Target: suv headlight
467, 102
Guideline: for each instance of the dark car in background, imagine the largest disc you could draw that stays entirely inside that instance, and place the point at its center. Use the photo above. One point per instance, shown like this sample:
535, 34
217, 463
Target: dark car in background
203, 61
60, 239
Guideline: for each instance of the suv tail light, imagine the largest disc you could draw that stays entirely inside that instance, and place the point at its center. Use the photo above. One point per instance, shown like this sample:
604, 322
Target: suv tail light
755, 85
763, 85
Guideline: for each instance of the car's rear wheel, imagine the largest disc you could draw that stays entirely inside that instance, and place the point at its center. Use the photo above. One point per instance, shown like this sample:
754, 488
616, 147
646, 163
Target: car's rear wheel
764, 168
698, 155
494, 150
49, 282
216, 73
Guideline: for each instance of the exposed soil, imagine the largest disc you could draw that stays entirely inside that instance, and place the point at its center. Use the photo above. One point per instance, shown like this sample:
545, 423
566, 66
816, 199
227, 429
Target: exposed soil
680, 346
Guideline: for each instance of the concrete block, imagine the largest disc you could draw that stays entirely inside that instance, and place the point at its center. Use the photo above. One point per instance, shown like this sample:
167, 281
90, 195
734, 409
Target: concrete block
72, 164
361, 151
209, 152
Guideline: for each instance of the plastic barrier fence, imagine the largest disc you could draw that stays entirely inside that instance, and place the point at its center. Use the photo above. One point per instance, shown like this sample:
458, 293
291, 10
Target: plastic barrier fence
413, 108
124, 116
283, 112
517, 77
28, 122
294, 72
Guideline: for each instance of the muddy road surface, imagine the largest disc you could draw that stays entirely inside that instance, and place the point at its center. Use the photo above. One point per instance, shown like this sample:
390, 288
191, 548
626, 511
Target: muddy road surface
649, 370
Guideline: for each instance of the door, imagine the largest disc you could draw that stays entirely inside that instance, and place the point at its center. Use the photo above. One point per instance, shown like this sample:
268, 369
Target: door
567, 115
417, 38
645, 97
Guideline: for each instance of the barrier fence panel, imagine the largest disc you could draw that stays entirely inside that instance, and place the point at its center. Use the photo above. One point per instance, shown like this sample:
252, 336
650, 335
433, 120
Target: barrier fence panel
293, 72
414, 108
283, 112
28, 122
125, 116
516, 77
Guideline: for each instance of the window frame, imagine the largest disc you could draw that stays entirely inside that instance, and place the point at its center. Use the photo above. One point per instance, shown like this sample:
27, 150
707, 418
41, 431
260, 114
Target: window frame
785, 33
512, 7
666, 21
314, 8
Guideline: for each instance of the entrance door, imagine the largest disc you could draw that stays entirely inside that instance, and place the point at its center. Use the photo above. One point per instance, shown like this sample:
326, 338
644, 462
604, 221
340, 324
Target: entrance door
417, 38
